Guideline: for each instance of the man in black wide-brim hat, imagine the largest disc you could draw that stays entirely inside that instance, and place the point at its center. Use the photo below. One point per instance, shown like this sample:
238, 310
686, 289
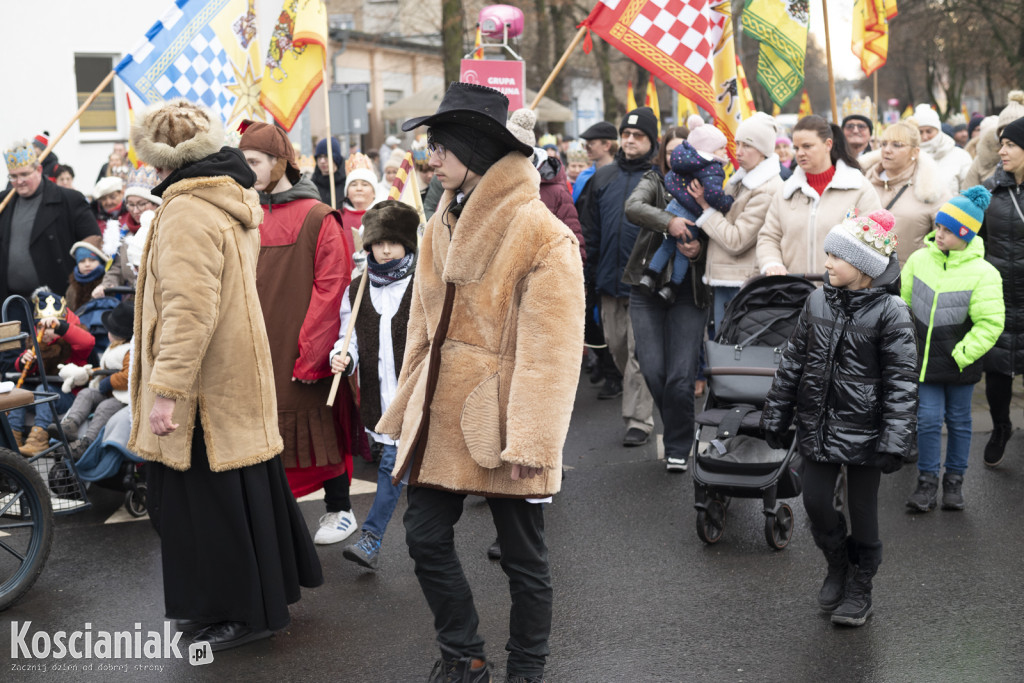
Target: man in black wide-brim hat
488, 377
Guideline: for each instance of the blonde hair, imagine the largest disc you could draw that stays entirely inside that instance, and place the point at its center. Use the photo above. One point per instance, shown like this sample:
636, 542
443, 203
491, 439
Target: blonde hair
905, 131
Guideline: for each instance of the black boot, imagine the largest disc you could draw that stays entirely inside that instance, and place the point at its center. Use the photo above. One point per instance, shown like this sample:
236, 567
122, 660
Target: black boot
856, 606
952, 496
834, 546
996, 446
923, 499
668, 293
648, 282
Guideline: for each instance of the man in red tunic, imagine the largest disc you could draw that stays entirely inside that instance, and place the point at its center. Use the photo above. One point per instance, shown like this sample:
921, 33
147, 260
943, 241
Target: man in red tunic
304, 267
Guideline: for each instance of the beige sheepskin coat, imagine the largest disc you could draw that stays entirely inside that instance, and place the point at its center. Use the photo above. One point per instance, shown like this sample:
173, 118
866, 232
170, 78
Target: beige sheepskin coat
199, 329
511, 359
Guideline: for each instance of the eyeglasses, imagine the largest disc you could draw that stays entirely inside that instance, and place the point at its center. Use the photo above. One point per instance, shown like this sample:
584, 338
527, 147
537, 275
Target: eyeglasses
437, 150
855, 126
136, 206
895, 145
636, 134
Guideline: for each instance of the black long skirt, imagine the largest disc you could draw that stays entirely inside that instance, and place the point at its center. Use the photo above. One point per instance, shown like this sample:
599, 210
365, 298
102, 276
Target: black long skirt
235, 546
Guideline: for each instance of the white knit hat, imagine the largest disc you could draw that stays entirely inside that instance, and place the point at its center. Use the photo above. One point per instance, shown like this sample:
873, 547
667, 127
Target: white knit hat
1014, 110
927, 117
760, 132
521, 124
107, 185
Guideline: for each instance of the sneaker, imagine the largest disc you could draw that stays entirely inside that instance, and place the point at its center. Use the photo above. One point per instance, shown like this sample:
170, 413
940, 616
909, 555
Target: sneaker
635, 437
996, 446
365, 551
78, 447
465, 670
675, 464
335, 527
612, 389
952, 496
923, 497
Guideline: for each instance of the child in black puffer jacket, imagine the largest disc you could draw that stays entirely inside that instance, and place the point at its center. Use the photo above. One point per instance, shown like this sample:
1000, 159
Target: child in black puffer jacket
701, 157
848, 380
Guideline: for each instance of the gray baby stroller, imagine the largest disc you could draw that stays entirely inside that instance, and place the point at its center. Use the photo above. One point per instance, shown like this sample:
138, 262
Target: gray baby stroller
737, 462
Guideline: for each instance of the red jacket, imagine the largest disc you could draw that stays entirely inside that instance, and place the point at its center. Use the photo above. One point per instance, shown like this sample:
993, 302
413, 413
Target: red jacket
555, 194
76, 338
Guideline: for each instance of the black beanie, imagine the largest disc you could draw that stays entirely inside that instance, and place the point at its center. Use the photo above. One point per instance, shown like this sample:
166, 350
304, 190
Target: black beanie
643, 119
1014, 132
477, 151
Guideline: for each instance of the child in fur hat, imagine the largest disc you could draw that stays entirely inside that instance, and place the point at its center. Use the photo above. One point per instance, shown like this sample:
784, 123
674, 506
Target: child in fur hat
847, 380
702, 158
390, 232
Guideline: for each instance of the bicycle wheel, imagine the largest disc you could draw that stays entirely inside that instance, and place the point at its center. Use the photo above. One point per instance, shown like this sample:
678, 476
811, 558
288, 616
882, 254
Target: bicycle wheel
26, 527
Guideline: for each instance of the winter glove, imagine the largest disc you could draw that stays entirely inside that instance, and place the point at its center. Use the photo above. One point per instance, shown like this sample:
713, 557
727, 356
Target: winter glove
890, 462
73, 376
777, 440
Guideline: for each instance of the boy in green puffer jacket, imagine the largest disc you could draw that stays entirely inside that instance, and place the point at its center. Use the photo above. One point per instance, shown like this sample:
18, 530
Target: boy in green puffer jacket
956, 297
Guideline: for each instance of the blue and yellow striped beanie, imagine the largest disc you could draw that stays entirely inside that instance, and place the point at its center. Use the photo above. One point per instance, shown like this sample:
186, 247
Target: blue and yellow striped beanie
962, 215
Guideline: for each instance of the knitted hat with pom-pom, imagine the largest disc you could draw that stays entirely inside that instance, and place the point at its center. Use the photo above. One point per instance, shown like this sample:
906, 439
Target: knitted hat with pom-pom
521, 124
865, 242
962, 215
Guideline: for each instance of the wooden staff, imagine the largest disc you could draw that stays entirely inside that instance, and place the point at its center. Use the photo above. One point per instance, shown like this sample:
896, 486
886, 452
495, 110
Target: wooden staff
348, 333
828, 59
558, 67
330, 147
53, 141
28, 365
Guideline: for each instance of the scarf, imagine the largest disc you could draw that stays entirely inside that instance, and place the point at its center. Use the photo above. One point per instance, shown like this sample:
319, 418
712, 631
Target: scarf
383, 274
95, 275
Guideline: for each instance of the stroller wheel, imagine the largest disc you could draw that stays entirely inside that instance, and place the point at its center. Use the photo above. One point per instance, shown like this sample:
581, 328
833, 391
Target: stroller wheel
711, 522
778, 528
135, 500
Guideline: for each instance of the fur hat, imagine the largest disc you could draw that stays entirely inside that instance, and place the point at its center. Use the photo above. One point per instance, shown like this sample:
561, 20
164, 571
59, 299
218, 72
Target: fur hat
120, 320
1013, 110
707, 139
107, 185
962, 215
141, 183
759, 131
927, 117
865, 242
272, 140
391, 220
174, 133
521, 124
80, 250
644, 120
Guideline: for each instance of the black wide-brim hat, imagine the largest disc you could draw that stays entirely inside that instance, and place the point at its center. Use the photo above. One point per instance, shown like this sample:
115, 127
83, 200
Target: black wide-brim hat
120, 320
474, 106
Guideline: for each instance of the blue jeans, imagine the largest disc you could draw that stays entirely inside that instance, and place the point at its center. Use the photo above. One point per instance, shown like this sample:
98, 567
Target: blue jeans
386, 498
723, 295
668, 340
667, 251
44, 413
938, 403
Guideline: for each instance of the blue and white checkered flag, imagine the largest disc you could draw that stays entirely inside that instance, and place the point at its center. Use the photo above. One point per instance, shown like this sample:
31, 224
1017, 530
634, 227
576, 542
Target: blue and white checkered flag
201, 50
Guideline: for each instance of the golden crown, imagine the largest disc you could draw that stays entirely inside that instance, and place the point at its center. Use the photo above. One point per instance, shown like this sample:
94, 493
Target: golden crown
49, 305
21, 154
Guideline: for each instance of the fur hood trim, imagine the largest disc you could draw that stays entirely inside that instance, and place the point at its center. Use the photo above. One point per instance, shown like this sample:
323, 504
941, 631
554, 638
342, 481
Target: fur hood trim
759, 175
846, 178
175, 133
929, 183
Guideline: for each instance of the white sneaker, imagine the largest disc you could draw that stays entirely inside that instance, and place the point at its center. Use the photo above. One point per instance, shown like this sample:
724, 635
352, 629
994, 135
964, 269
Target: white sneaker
335, 527
675, 464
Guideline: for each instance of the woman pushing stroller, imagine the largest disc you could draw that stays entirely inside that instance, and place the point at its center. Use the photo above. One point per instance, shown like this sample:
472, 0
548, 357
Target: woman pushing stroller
848, 381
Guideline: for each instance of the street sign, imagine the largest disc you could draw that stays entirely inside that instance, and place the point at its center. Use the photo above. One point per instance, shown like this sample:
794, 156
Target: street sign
508, 76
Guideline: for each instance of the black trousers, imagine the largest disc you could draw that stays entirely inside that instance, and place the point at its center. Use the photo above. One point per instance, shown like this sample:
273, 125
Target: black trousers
819, 480
430, 532
999, 392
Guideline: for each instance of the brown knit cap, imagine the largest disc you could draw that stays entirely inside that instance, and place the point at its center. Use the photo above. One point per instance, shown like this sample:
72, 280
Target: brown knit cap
177, 132
269, 139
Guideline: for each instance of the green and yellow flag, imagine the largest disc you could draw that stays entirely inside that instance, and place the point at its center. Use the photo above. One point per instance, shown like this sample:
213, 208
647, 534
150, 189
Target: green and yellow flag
781, 28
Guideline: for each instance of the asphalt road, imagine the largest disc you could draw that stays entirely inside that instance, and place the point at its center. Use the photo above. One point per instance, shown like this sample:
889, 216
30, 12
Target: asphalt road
638, 597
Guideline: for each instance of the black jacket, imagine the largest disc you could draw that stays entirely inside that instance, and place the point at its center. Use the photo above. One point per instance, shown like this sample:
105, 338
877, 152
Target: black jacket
63, 219
608, 234
323, 185
1003, 232
848, 377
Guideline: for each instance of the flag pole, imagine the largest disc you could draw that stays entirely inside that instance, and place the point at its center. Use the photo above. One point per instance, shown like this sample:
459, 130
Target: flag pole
54, 140
330, 142
874, 102
828, 58
558, 67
